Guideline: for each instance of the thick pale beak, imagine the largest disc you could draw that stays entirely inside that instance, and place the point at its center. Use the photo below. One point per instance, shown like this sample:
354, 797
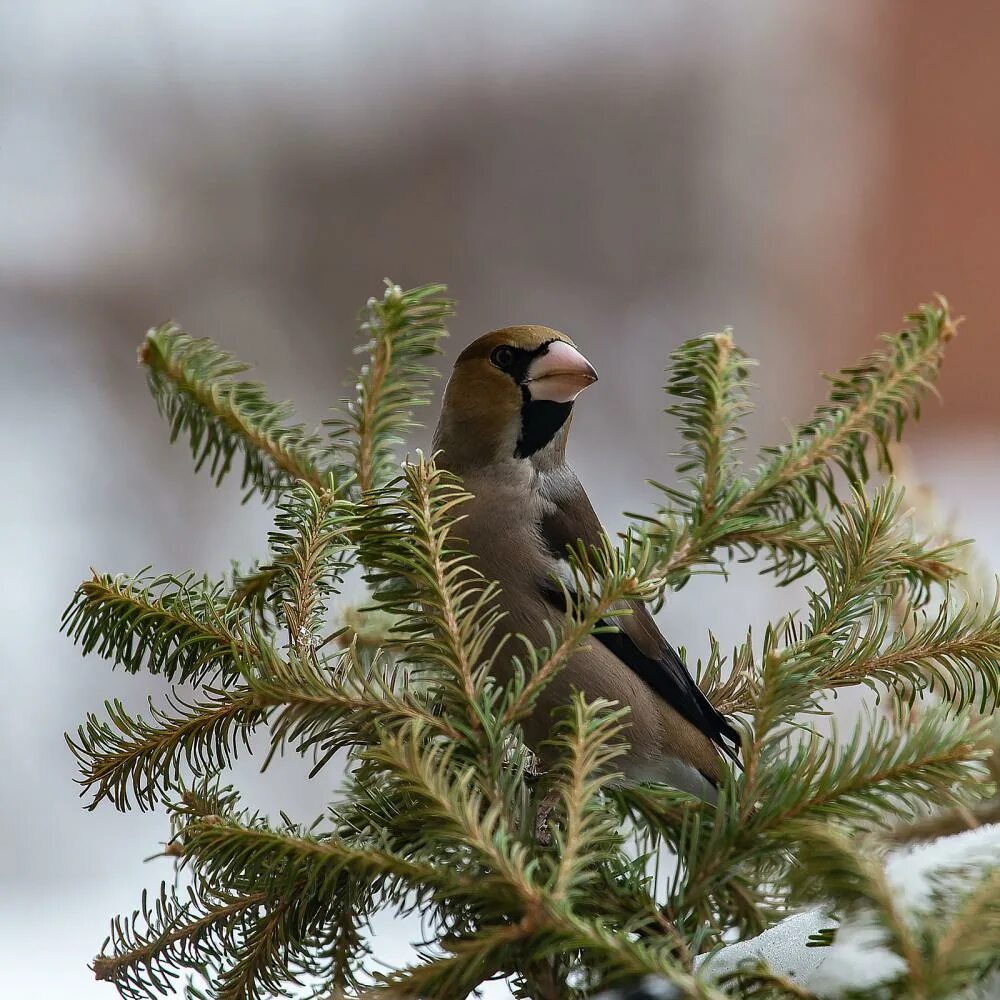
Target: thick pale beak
560, 374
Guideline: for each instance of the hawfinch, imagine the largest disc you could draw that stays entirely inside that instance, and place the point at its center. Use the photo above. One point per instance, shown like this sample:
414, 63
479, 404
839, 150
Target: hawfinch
503, 429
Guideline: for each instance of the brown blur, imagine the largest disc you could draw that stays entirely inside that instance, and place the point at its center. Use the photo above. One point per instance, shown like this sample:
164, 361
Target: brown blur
938, 227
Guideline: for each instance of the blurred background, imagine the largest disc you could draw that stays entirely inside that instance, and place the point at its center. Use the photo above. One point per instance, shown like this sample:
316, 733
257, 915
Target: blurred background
632, 174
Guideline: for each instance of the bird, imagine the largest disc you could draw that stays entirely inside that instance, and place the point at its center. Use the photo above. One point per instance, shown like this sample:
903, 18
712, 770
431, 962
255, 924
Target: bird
503, 430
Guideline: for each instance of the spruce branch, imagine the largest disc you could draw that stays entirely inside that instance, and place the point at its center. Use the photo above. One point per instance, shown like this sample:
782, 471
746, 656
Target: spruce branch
194, 387
154, 942
179, 627
958, 819
590, 741
126, 758
603, 579
263, 969
311, 550
956, 652
444, 611
318, 705
290, 863
867, 782
471, 961
404, 329
437, 813
620, 958
310, 916
253, 587
853, 635
309, 544
454, 806
855, 880
869, 404
860, 568
968, 942
709, 377
872, 778
761, 983
732, 683
863, 564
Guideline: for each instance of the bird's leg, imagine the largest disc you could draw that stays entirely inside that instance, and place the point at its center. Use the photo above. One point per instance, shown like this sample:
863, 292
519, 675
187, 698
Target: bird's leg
542, 832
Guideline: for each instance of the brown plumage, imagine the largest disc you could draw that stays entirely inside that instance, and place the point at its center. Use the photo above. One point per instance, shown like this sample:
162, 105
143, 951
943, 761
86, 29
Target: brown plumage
503, 429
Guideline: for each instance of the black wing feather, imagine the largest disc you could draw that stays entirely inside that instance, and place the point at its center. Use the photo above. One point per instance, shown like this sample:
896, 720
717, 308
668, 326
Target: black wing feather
574, 520
669, 678
667, 675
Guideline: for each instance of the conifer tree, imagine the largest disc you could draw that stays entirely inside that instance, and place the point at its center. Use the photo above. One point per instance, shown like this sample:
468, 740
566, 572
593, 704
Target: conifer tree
435, 814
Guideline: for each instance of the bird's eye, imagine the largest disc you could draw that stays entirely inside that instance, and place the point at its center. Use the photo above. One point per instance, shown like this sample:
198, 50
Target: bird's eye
502, 357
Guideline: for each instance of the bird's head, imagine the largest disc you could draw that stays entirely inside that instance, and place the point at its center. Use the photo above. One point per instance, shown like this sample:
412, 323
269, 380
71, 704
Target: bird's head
510, 396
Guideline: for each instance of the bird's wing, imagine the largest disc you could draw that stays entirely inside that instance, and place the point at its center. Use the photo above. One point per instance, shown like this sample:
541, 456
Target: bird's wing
637, 641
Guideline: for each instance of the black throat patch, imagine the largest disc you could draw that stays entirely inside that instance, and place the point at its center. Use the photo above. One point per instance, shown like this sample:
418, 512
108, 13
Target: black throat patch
541, 421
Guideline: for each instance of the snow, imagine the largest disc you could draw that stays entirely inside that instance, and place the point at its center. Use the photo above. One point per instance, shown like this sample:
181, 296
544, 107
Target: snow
781, 947
964, 856
858, 959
